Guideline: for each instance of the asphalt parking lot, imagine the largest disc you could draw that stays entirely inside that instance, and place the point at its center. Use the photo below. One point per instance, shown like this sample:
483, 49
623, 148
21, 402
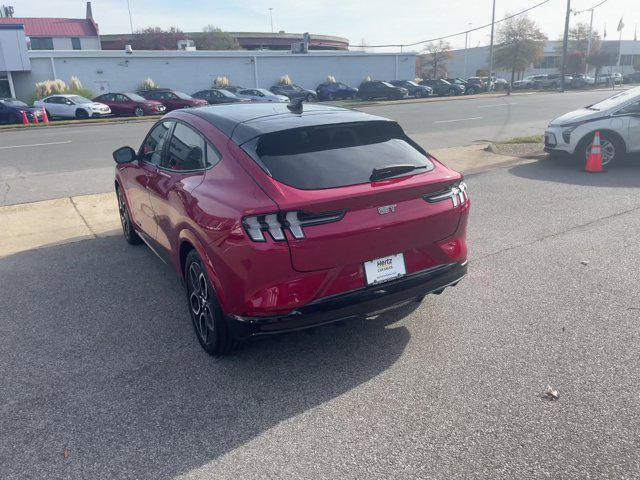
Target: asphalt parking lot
41, 164
100, 364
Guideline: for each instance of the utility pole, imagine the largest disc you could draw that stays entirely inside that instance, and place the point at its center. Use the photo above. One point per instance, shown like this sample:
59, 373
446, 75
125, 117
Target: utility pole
271, 17
130, 19
493, 21
466, 43
565, 41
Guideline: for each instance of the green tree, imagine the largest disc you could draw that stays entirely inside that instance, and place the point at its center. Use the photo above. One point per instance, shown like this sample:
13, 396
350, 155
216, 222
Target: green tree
600, 58
579, 39
519, 43
213, 38
435, 58
156, 38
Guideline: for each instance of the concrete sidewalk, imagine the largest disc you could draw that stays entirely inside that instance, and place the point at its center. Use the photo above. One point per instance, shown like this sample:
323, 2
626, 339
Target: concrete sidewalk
34, 225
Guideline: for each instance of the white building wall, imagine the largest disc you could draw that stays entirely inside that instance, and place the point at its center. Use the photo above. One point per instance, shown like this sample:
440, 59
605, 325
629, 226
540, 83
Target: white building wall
192, 71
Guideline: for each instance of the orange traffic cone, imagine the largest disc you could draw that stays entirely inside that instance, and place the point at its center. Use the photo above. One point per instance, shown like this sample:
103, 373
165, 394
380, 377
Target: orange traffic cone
45, 118
594, 161
25, 120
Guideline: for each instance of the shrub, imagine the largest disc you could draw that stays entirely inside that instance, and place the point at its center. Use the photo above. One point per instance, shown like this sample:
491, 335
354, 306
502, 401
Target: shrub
331, 79
285, 80
221, 82
147, 84
75, 84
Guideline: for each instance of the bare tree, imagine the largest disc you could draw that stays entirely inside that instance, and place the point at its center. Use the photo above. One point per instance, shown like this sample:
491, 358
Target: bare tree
579, 38
436, 56
519, 43
156, 38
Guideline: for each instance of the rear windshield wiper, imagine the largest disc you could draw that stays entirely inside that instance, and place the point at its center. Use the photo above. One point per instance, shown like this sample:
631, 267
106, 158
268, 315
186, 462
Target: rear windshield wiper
392, 171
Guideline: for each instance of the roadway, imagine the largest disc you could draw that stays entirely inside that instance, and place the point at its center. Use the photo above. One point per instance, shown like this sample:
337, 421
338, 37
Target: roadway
66, 161
102, 376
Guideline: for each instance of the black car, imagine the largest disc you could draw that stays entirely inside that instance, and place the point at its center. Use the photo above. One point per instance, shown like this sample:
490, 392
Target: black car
294, 91
414, 89
442, 87
234, 88
379, 89
11, 111
335, 91
218, 95
469, 88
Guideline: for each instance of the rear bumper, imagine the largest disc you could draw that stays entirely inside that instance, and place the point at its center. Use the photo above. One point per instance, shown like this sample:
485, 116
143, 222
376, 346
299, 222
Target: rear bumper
357, 303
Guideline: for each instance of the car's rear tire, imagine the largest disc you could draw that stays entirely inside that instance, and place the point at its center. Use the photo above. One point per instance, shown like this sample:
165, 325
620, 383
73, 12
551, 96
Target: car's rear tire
611, 146
206, 315
139, 112
331, 97
128, 231
81, 114
310, 98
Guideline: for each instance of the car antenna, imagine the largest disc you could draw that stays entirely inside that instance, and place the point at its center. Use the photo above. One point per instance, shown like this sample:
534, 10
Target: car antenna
296, 106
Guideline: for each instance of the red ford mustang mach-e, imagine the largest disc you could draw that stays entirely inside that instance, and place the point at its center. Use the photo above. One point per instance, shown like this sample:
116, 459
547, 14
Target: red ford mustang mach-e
280, 218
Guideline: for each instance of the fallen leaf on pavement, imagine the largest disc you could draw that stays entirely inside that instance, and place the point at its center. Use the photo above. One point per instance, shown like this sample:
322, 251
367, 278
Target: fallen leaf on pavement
551, 393
66, 453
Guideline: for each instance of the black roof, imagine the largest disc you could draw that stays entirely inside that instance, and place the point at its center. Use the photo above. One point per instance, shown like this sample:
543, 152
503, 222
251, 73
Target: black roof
242, 122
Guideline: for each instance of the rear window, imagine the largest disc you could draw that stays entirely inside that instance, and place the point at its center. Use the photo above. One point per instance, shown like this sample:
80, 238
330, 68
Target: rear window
329, 156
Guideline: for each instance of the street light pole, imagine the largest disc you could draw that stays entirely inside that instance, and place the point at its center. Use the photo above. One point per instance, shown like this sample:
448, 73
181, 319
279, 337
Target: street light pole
466, 43
565, 42
271, 17
493, 21
130, 19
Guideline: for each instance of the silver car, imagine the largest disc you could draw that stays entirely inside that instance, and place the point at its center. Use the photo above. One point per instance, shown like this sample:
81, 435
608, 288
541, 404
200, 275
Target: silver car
261, 95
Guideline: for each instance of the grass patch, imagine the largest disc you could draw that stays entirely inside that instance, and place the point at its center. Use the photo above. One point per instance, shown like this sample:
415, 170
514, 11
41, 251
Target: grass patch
530, 139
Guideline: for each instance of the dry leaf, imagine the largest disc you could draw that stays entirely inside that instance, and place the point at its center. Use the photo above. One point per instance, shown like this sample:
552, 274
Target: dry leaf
66, 453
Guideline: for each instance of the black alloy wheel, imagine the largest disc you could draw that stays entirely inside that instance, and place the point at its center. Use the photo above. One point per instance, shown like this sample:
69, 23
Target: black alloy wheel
129, 232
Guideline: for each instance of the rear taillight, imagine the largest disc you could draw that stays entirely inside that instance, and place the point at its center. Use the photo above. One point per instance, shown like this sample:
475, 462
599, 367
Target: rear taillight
276, 223
457, 193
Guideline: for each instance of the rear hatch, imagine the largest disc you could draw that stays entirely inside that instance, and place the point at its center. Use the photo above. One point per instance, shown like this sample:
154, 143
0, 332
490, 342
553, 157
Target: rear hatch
334, 212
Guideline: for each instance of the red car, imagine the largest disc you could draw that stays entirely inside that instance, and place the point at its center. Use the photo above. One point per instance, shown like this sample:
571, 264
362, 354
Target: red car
280, 220
172, 99
130, 104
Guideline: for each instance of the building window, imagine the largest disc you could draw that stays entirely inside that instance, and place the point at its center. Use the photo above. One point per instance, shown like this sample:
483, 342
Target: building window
548, 62
41, 43
75, 43
628, 59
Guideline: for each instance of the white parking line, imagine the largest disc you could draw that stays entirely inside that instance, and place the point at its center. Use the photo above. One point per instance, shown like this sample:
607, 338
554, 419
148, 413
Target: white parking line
35, 145
458, 120
496, 105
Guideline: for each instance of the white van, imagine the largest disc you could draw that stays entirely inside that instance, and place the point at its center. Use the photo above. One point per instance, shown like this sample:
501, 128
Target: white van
617, 119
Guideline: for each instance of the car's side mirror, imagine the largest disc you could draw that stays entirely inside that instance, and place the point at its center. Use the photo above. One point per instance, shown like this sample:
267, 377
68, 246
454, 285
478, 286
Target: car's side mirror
124, 155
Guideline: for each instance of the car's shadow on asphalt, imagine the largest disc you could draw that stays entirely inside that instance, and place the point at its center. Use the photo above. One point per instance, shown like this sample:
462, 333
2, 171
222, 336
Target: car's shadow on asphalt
99, 358
624, 173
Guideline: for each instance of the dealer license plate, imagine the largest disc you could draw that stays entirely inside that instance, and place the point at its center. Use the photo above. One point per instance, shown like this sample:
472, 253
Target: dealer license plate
384, 269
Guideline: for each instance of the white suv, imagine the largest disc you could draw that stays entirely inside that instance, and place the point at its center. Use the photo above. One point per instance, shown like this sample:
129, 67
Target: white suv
72, 106
617, 119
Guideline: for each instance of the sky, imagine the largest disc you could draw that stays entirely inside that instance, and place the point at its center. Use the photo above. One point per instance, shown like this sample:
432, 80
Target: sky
371, 22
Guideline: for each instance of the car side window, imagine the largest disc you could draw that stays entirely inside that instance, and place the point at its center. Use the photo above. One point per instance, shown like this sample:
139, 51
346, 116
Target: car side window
121, 98
151, 150
634, 108
186, 150
213, 156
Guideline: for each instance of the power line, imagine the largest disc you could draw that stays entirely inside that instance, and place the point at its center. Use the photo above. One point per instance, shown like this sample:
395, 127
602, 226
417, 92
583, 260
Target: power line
587, 9
460, 33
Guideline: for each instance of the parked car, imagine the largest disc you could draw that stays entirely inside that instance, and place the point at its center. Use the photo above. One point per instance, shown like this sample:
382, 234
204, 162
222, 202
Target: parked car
130, 104
234, 89
500, 84
617, 119
214, 96
414, 89
479, 82
580, 80
261, 95
379, 89
442, 87
609, 79
335, 91
72, 106
526, 82
551, 81
633, 77
293, 223
173, 99
469, 88
293, 91
11, 111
